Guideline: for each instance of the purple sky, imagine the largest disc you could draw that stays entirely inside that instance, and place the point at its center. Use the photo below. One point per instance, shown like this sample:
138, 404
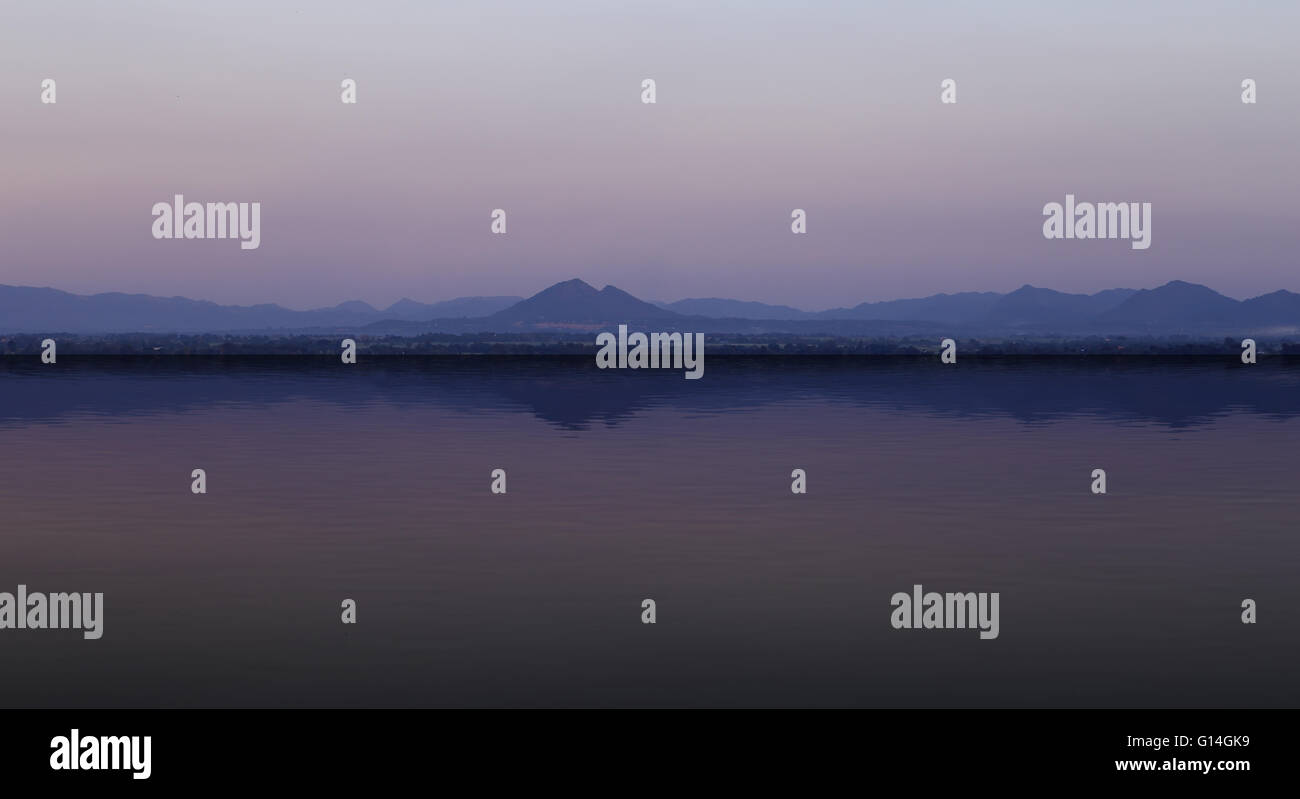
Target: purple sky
535, 108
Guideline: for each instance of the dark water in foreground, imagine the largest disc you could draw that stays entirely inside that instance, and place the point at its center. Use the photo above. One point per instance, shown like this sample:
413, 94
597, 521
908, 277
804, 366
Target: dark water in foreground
372, 482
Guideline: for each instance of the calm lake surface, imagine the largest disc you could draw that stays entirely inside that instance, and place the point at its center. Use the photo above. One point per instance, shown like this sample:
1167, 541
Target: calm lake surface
371, 482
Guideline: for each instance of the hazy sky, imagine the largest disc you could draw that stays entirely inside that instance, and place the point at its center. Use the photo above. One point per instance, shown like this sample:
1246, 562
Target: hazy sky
534, 107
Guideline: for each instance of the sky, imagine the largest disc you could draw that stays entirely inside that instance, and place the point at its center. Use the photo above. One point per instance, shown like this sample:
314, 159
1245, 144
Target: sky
535, 108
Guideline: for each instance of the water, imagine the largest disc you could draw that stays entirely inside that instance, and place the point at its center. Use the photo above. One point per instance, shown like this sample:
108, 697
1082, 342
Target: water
371, 482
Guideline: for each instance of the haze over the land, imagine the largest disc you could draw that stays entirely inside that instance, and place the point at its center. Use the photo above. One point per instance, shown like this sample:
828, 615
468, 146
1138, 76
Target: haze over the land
573, 306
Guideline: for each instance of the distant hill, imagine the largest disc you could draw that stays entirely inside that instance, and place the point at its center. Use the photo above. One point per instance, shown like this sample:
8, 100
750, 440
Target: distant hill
734, 309
947, 308
29, 309
1029, 306
574, 302
459, 308
1176, 308
353, 307
1281, 308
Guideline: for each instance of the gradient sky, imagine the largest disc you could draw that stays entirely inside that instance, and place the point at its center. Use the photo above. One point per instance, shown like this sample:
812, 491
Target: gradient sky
535, 107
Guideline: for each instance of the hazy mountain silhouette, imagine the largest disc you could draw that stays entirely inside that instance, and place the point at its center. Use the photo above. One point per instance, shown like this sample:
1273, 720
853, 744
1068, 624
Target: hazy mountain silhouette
575, 302
1279, 308
1032, 306
1176, 308
459, 308
30, 309
948, 308
718, 308
354, 307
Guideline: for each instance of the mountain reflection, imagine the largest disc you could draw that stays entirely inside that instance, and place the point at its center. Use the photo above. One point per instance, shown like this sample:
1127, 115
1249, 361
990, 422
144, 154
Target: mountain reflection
570, 393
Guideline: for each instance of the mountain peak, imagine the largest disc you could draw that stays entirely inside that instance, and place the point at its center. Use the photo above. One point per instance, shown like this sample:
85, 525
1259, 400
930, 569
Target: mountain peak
351, 306
1176, 306
576, 301
577, 287
1183, 285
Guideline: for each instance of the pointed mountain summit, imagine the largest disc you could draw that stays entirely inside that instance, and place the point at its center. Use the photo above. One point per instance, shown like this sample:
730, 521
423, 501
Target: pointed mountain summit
1177, 305
1032, 306
575, 301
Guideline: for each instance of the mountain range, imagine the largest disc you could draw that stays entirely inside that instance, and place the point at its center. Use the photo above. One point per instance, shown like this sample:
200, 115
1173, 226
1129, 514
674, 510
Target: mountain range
1176, 308
29, 309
